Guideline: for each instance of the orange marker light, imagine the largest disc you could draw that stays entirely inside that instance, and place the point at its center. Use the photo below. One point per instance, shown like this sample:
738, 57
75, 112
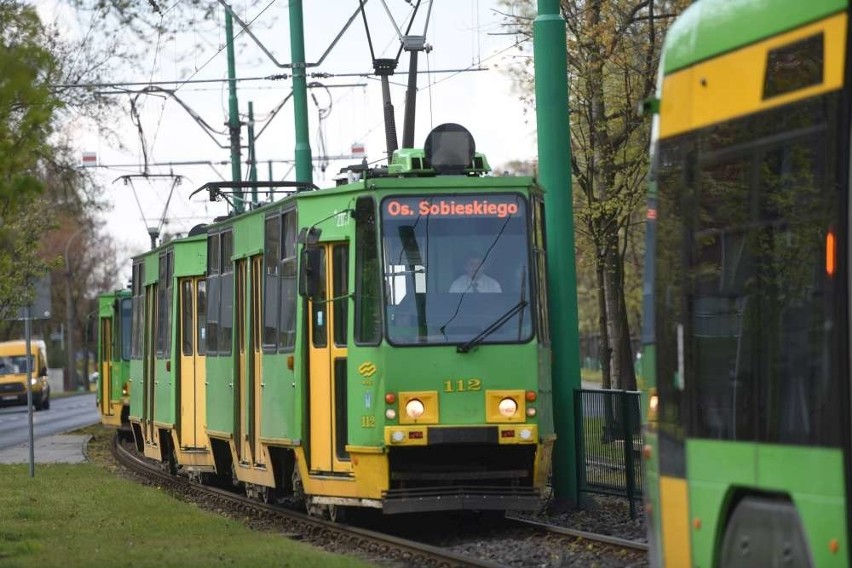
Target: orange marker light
531, 396
833, 546
830, 247
696, 523
390, 398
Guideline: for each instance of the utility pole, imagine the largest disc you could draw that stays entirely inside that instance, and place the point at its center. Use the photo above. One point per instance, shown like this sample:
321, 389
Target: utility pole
233, 112
304, 162
252, 155
554, 162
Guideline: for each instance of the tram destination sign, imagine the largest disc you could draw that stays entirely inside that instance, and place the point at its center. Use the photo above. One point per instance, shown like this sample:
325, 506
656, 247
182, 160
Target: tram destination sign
496, 206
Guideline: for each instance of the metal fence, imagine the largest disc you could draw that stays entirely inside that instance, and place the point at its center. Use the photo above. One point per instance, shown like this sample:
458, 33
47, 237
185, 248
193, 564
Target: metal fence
609, 443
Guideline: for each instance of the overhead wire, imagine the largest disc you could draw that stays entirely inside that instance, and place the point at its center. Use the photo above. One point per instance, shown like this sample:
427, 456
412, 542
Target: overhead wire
224, 46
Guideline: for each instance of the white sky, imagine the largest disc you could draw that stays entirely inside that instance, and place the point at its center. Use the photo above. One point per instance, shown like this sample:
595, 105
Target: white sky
460, 32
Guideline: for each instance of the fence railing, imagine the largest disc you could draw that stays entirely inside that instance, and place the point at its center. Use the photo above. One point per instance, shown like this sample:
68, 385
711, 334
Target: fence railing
609, 443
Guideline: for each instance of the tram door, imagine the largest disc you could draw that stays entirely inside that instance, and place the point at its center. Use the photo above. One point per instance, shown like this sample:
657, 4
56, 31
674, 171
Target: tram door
255, 352
248, 360
149, 362
106, 366
192, 356
328, 334
241, 382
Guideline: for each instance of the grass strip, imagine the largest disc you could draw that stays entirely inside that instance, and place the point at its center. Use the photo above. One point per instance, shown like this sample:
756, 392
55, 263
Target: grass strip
83, 515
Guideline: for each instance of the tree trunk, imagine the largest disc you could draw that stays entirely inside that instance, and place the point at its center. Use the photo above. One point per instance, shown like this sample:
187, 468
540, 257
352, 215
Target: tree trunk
604, 352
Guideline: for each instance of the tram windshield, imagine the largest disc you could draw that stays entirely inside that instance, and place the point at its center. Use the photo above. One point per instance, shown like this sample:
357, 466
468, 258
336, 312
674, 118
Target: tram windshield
457, 267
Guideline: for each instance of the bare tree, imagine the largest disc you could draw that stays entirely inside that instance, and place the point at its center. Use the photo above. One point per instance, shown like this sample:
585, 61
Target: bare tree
613, 54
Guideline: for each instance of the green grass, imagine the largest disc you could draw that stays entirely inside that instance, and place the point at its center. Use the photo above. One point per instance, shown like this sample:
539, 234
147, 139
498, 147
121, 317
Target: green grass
83, 515
591, 376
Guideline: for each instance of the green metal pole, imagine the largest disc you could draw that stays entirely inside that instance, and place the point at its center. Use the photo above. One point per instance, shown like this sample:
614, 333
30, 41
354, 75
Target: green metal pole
269, 193
554, 167
233, 112
252, 155
304, 169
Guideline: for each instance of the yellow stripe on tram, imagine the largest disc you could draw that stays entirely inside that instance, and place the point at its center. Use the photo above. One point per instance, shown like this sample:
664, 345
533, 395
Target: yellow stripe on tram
674, 521
732, 84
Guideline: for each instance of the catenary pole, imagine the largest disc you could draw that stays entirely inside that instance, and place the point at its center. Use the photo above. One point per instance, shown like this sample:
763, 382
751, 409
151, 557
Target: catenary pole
304, 166
554, 168
233, 112
252, 150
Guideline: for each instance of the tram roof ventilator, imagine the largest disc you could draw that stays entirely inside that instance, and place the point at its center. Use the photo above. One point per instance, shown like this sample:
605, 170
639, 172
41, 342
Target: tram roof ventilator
449, 150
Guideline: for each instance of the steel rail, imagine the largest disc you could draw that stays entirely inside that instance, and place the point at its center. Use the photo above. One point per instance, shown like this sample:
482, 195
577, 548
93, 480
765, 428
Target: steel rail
312, 528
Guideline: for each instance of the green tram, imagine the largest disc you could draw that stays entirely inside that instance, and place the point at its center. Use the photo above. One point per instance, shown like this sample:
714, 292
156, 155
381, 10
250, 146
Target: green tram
382, 343
746, 334
167, 366
114, 319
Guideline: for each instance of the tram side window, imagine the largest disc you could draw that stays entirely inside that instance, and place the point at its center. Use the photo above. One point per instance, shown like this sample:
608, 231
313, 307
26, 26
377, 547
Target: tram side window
760, 339
213, 291
164, 305
723, 322
798, 208
138, 310
125, 327
340, 293
368, 301
272, 248
226, 313
289, 283
201, 318
669, 301
187, 328
540, 258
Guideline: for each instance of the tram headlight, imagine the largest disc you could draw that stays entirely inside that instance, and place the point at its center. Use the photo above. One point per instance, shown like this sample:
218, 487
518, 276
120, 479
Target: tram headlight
390, 414
531, 411
508, 407
33, 381
414, 408
397, 436
653, 404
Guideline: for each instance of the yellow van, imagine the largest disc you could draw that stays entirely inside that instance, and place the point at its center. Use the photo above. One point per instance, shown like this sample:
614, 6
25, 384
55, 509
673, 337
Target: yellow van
13, 373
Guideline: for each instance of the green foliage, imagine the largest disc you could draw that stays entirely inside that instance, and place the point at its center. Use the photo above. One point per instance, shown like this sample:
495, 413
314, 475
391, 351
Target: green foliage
27, 111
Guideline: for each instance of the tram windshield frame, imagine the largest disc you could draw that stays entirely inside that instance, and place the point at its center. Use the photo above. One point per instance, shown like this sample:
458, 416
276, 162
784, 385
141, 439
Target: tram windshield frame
428, 243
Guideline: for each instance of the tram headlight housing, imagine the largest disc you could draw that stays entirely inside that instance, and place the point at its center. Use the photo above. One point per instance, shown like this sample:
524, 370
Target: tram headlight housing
653, 405
414, 408
508, 407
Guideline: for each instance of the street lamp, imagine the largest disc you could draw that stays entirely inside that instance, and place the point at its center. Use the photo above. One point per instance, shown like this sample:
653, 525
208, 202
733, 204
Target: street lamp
69, 311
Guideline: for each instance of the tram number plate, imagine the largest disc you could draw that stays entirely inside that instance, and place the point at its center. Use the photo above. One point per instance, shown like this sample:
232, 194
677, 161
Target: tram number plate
10, 398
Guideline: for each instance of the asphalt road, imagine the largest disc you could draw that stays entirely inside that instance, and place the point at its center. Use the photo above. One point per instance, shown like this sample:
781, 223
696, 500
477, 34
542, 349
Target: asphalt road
65, 414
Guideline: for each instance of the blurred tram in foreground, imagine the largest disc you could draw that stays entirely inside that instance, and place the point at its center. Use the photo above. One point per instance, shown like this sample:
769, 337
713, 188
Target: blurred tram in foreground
746, 339
382, 343
113, 369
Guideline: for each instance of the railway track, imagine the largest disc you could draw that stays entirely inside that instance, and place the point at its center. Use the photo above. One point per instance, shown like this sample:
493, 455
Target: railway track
613, 541
309, 529
423, 546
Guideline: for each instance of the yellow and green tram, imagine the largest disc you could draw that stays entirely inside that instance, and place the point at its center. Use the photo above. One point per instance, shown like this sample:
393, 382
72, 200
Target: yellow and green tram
167, 365
354, 356
746, 334
113, 388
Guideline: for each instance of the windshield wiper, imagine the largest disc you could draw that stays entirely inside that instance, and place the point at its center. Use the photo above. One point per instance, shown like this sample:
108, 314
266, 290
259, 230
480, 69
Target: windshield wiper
498, 323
